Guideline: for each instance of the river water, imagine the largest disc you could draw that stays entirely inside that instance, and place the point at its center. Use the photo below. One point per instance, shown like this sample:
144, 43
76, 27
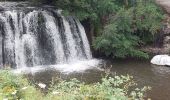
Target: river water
144, 73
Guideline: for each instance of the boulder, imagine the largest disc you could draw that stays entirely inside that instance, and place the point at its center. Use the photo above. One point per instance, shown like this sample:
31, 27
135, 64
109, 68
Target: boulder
161, 60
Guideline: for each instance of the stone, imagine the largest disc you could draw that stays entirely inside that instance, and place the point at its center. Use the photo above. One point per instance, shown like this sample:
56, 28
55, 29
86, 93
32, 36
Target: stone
161, 60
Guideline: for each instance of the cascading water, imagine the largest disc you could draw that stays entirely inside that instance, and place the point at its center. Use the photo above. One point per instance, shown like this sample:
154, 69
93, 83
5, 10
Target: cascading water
41, 37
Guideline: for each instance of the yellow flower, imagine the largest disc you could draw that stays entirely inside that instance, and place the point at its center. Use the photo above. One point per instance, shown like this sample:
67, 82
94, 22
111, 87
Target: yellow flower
8, 89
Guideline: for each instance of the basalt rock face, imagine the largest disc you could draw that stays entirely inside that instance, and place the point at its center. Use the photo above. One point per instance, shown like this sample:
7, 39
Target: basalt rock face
33, 36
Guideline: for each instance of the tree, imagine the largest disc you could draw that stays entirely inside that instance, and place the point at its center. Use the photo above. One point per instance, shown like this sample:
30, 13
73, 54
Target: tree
129, 29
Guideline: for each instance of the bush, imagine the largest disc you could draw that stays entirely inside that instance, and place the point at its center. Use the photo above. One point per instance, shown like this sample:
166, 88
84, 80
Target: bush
128, 30
14, 87
118, 45
110, 88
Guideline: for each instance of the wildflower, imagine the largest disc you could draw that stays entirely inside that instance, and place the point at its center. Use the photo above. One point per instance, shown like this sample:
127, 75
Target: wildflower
55, 92
14, 92
24, 88
8, 89
41, 85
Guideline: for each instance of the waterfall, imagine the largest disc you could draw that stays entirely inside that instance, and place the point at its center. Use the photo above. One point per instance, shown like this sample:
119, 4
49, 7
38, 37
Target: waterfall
41, 37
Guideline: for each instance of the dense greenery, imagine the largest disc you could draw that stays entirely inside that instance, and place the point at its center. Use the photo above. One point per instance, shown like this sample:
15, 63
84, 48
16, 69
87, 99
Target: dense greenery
129, 29
16, 87
122, 26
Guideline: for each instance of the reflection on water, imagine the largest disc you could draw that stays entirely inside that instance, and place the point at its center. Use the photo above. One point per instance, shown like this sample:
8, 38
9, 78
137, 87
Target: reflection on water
158, 77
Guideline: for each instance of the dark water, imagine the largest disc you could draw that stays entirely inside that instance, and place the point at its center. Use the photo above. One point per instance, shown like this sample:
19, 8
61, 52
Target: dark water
158, 77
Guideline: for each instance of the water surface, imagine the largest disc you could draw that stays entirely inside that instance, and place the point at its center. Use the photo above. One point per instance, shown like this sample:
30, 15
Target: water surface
158, 77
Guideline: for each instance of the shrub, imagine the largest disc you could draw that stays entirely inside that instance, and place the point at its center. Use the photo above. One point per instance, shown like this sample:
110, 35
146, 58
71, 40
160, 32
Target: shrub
110, 88
128, 30
16, 87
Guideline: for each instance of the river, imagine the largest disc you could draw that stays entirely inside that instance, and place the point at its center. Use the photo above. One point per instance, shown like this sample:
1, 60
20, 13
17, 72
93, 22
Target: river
144, 73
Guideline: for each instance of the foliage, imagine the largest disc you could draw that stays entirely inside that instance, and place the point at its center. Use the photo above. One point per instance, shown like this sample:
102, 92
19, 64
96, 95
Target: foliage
16, 87
84, 9
118, 45
148, 17
129, 29
110, 88
9, 85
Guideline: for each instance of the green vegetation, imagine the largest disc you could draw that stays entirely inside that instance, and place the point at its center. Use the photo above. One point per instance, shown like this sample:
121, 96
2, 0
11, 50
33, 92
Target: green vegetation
122, 27
129, 29
16, 87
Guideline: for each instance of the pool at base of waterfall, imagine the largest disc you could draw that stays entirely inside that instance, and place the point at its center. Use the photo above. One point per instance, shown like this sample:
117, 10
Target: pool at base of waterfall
73, 67
144, 73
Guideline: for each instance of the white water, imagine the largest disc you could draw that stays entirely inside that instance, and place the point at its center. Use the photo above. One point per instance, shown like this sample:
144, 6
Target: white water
79, 66
39, 39
52, 31
85, 40
70, 41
